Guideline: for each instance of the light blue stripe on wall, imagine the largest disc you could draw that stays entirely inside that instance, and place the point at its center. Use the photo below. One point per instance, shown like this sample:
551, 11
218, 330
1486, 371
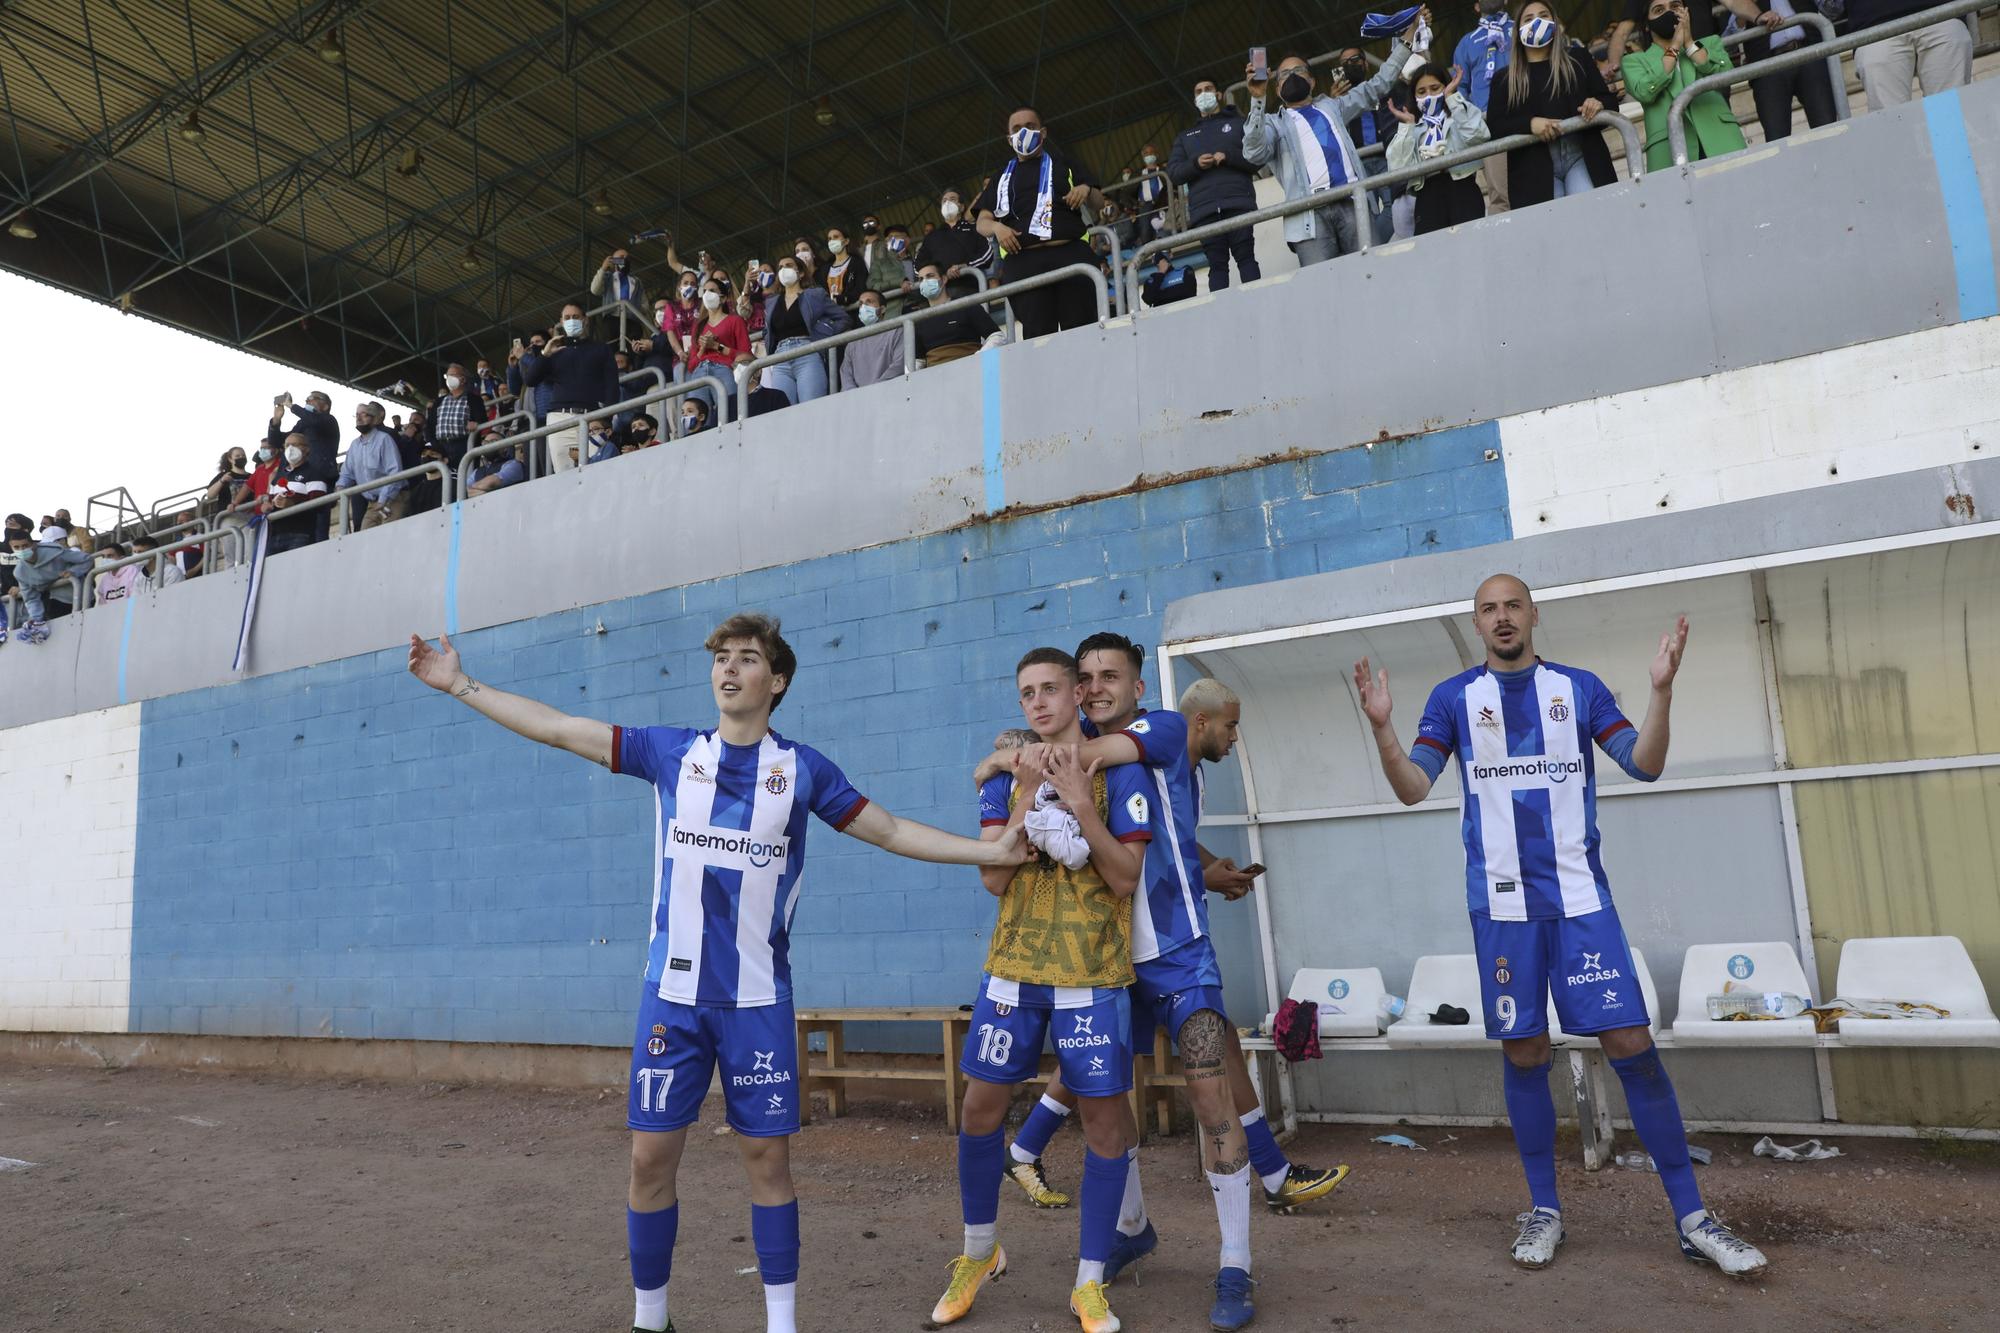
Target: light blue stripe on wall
425, 874
1964, 206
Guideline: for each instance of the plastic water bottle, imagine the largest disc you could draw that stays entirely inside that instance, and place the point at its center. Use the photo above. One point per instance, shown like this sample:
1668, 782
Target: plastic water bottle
1638, 1161
1757, 1004
1388, 1009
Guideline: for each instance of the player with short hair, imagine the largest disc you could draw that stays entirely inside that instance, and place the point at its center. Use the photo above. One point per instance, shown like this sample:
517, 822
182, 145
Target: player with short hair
1542, 918
730, 846
1178, 979
1059, 965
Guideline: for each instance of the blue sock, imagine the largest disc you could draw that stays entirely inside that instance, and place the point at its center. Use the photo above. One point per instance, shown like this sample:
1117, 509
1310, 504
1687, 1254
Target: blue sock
1531, 1109
1103, 1192
1041, 1125
650, 1238
1656, 1114
980, 1163
774, 1231
1266, 1157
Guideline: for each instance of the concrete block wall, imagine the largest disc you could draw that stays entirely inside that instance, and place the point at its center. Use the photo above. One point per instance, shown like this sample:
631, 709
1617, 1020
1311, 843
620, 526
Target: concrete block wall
337, 851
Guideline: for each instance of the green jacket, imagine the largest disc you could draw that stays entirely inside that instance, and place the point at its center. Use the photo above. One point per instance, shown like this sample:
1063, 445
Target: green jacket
1711, 124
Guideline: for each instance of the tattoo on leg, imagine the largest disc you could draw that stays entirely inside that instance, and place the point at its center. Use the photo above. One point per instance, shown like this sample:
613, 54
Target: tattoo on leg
1202, 1041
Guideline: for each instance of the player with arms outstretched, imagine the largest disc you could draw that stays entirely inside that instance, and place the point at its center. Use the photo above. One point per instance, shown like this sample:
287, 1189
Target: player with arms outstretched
1542, 919
732, 804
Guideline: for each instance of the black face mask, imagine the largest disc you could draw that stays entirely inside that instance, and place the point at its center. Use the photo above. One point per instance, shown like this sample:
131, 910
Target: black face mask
1665, 25
1294, 87
1356, 72
869, 228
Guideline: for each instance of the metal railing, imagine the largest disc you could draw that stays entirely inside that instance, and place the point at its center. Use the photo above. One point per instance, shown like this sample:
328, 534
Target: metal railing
1823, 27
908, 322
86, 583
1799, 56
626, 312
1355, 193
1117, 262
511, 442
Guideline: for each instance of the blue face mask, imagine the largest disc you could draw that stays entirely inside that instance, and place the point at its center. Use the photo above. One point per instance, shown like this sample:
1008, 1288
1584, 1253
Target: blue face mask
1538, 31
1025, 141
897, 245
573, 327
930, 287
1431, 105
869, 314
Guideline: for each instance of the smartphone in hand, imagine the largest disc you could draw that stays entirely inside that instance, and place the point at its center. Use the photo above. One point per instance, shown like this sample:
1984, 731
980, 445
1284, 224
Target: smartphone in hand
1259, 72
1254, 869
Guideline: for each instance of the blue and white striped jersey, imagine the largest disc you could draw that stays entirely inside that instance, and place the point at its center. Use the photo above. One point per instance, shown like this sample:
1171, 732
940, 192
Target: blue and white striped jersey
730, 849
1523, 744
1174, 910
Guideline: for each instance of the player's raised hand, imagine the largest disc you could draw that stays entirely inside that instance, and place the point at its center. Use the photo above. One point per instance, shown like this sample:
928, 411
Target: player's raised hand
1373, 688
436, 667
1667, 662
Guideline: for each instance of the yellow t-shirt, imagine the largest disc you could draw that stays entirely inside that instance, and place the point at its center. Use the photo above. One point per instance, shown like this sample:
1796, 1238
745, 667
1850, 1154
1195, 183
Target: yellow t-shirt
1062, 927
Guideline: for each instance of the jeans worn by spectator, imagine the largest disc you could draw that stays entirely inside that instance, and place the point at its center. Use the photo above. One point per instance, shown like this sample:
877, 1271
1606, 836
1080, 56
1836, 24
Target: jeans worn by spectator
720, 391
39, 575
802, 379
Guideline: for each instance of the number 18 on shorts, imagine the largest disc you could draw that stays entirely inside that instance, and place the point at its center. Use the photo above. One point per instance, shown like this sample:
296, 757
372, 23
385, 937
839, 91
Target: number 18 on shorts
1093, 1043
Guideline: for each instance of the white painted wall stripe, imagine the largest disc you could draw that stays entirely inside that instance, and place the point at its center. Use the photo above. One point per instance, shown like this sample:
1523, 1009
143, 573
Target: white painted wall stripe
69, 817
1898, 405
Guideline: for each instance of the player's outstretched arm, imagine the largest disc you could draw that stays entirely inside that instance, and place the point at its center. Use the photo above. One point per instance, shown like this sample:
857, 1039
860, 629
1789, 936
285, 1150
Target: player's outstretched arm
995, 878
921, 842
1650, 754
1410, 783
439, 668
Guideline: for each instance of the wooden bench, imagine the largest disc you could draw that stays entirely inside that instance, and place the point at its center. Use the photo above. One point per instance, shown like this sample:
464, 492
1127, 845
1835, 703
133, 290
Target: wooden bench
1155, 1074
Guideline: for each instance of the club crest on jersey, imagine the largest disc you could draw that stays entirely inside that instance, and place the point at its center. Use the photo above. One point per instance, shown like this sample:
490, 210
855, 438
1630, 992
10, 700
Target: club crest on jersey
1140, 725
1594, 973
1500, 972
656, 1045
1003, 1009
1558, 710
1136, 807
1487, 720
777, 782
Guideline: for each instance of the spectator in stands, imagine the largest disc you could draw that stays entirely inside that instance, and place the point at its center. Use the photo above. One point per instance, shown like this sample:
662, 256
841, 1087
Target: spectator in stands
581, 376
640, 433
1150, 198
316, 423
168, 567
492, 393
762, 396
721, 343
231, 471
1033, 209
1656, 75
528, 397
410, 441
1168, 282
958, 248
113, 584
615, 280
1547, 80
459, 409
1371, 127
844, 277
1308, 139
16, 523
749, 299
885, 269
799, 312
695, 416
497, 470
956, 334
371, 455
1807, 84
1443, 123
1484, 54
1221, 184
1940, 56
294, 483
1701, 21
874, 359
43, 564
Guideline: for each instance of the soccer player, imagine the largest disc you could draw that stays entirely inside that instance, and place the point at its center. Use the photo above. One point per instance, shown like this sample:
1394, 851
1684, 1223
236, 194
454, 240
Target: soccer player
730, 846
1542, 918
1179, 981
1059, 963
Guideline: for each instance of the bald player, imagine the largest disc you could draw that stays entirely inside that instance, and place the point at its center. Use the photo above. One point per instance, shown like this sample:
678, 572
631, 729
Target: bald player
1542, 919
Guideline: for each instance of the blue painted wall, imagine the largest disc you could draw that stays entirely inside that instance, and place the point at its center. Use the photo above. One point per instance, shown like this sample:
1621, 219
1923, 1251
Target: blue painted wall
338, 851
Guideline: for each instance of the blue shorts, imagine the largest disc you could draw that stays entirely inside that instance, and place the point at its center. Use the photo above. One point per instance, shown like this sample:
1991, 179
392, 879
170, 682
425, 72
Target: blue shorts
1093, 1043
1583, 960
676, 1051
1173, 988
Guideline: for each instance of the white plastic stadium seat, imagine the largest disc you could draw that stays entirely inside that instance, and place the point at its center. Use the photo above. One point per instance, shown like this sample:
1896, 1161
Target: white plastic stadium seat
1932, 968
1769, 966
1348, 998
1646, 990
1446, 978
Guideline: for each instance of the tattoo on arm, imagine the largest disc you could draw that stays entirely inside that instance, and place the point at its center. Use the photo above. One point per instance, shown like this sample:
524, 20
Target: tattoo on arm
467, 690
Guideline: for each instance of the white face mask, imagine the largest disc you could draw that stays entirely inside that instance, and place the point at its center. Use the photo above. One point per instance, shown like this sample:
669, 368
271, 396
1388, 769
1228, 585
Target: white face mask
1205, 101
835, 244
869, 314
294, 454
950, 209
789, 276
452, 381
803, 256
713, 300
573, 327
1152, 159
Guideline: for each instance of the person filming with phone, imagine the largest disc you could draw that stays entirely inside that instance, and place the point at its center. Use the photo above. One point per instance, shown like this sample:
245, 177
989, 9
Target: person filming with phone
581, 374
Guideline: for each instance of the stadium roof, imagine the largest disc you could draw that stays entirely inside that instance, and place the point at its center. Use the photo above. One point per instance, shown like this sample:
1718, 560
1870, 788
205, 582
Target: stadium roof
355, 186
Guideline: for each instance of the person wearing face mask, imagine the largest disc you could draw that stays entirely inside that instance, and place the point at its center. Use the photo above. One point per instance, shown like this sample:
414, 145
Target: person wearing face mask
533, 398
1484, 54
844, 278
371, 455
674, 318
1151, 197
695, 417
492, 392
1306, 142
43, 565
615, 280
459, 408
799, 312
1546, 81
1656, 75
1033, 208
1371, 127
1701, 20
886, 270
721, 343
113, 585
231, 472
957, 248
952, 336
581, 375
1443, 122
872, 360
1208, 161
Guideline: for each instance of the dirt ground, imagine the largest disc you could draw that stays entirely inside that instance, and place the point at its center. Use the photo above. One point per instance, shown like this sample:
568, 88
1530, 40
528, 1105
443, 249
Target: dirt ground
183, 1201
